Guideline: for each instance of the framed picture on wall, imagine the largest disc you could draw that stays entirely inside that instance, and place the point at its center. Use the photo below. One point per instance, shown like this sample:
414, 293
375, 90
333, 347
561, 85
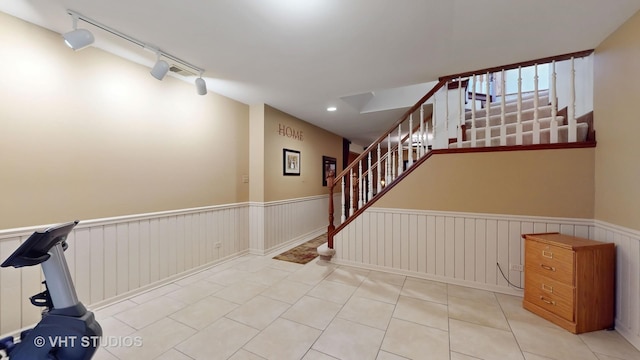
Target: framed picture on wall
328, 164
290, 162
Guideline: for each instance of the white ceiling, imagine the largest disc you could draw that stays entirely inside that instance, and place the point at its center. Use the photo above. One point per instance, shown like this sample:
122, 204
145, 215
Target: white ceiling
301, 56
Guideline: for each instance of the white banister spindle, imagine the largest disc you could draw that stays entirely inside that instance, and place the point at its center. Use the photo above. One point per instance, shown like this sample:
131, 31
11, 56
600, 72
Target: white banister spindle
481, 81
426, 135
474, 136
461, 118
536, 120
519, 113
503, 104
369, 180
571, 112
378, 171
487, 109
435, 120
387, 164
351, 197
422, 137
393, 168
446, 111
410, 150
400, 155
343, 217
554, 105
360, 185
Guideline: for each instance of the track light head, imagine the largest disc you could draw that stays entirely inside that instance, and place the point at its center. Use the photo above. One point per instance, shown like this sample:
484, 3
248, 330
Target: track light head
201, 86
78, 39
160, 69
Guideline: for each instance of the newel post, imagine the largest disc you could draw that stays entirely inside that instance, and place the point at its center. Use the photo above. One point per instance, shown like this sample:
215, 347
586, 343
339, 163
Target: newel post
331, 228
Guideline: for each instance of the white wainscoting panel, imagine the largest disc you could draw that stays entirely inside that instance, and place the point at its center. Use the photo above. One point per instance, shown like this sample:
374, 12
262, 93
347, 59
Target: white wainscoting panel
280, 224
460, 248
627, 277
109, 258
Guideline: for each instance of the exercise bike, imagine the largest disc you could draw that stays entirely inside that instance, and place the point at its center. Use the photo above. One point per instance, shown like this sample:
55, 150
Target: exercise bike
67, 330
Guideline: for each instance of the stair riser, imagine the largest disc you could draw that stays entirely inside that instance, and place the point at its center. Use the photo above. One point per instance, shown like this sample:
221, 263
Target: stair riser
511, 128
527, 138
511, 107
510, 118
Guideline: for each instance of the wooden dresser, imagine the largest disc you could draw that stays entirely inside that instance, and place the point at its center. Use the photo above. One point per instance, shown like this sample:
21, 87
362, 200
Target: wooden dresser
570, 281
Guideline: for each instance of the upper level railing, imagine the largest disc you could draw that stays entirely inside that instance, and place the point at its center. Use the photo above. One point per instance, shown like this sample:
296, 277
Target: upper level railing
533, 102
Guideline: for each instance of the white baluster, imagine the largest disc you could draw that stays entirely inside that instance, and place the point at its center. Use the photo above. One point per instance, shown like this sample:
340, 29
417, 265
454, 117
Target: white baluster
360, 184
554, 105
351, 197
446, 120
410, 151
344, 215
536, 122
378, 172
571, 112
426, 134
460, 109
422, 134
474, 136
400, 151
487, 108
503, 104
369, 180
519, 114
435, 120
393, 168
387, 169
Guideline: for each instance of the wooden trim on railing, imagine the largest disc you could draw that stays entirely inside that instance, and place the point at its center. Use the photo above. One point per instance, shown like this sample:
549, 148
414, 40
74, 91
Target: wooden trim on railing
575, 145
545, 60
482, 98
588, 119
564, 112
453, 85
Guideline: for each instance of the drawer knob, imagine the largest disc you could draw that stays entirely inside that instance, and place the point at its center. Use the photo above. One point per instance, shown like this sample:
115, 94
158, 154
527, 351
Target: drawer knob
547, 288
547, 254
547, 267
550, 302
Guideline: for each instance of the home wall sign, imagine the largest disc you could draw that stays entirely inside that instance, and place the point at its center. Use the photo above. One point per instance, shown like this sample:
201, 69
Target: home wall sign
288, 131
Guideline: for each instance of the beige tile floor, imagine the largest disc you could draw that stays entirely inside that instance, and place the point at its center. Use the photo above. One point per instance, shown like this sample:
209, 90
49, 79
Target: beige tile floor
258, 308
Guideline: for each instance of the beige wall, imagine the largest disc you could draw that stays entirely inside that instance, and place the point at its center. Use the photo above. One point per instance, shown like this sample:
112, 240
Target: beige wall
550, 183
314, 144
89, 135
617, 123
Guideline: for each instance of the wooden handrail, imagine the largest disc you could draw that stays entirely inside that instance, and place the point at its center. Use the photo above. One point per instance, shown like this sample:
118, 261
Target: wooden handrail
579, 54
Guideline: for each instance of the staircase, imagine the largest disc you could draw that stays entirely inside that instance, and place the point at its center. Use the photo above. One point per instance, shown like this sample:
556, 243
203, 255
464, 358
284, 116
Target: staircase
476, 121
458, 115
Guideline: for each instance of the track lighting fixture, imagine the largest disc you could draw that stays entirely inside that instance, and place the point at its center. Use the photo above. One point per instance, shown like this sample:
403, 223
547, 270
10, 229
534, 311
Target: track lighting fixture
78, 38
160, 69
201, 86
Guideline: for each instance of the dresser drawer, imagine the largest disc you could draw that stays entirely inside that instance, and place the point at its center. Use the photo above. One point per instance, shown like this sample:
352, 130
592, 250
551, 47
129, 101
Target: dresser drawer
550, 261
550, 295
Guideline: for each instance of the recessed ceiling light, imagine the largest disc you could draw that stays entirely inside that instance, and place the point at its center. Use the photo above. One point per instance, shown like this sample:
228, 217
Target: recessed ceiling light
332, 108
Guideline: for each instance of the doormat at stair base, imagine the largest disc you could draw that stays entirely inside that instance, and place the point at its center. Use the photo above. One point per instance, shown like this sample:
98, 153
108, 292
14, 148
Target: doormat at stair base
303, 253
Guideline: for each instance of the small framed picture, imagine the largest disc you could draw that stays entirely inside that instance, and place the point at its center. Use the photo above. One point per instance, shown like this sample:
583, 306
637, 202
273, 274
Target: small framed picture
328, 165
290, 162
